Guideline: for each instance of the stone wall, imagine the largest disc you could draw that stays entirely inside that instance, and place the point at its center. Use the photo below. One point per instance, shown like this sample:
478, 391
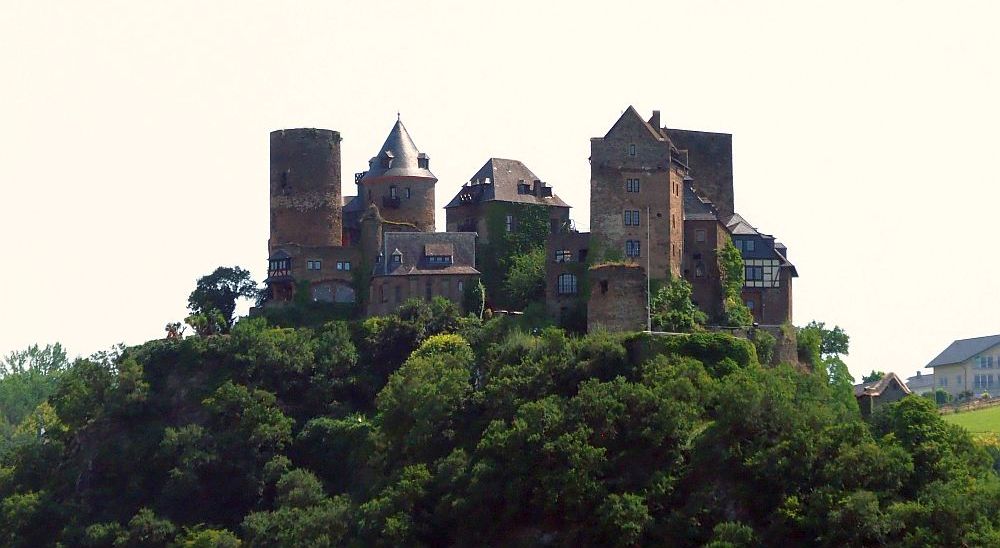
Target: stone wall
388, 292
414, 202
710, 158
617, 298
305, 188
658, 201
576, 243
702, 240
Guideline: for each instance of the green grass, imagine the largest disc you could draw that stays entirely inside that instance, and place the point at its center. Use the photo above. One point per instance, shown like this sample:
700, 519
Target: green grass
978, 422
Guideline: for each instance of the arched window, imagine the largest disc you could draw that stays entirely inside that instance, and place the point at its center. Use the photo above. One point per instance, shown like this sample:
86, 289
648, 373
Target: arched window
566, 284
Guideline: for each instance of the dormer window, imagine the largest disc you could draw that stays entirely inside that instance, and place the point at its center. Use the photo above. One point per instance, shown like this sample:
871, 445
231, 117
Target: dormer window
523, 187
396, 258
423, 161
279, 266
439, 260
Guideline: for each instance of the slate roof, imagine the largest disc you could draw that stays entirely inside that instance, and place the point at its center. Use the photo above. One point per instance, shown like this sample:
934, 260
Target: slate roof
697, 208
876, 388
415, 247
737, 225
403, 155
497, 181
963, 349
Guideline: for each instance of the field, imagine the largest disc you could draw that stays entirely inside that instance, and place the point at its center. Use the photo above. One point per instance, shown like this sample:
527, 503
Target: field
983, 421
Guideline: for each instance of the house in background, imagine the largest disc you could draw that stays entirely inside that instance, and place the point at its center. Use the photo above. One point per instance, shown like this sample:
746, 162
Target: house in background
920, 383
888, 389
969, 365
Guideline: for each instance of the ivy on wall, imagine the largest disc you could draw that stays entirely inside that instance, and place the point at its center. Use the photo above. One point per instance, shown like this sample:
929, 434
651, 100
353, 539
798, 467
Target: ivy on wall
529, 231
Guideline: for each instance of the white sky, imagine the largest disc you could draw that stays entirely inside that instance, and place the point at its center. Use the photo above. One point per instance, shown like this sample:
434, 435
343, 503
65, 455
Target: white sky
134, 152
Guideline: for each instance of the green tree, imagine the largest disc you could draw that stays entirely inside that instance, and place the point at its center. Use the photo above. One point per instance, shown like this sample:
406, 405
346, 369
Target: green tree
474, 298
525, 281
673, 310
27, 378
219, 291
874, 376
735, 312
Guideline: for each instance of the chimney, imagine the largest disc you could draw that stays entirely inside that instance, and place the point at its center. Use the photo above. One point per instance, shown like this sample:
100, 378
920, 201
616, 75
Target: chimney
655, 120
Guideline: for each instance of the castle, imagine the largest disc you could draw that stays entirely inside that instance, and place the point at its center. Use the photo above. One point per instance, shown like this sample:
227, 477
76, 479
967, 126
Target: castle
662, 207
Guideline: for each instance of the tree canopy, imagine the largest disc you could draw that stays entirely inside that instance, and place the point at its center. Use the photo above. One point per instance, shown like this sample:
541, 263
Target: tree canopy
213, 301
426, 428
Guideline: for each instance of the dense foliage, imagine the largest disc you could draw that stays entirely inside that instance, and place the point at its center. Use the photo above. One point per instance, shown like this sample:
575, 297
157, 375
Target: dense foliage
734, 311
426, 428
517, 251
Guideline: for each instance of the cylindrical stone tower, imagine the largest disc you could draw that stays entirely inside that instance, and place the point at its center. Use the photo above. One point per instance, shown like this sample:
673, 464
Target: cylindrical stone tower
305, 188
399, 182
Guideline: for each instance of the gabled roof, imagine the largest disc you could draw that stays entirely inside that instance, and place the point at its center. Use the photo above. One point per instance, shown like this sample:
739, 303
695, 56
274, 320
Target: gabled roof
963, 349
876, 388
739, 226
497, 181
404, 156
631, 116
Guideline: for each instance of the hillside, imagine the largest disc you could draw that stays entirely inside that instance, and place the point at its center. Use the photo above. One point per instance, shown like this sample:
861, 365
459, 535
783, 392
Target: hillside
982, 421
430, 429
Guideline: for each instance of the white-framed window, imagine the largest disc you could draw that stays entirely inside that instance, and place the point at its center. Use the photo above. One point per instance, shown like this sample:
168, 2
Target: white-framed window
314, 265
508, 223
631, 217
406, 193
344, 265
753, 273
631, 185
632, 248
566, 284
564, 256
396, 258
943, 381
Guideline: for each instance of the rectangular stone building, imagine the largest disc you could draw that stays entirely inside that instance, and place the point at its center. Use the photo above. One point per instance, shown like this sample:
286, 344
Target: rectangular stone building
422, 265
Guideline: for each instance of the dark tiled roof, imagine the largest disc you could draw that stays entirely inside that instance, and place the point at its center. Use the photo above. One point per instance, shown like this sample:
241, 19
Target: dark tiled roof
739, 226
876, 388
963, 349
404, 156
502, 176
415, 247
697, 208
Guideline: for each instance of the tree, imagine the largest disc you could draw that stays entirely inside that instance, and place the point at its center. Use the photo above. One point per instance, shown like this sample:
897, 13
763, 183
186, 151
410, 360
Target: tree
474, 298
219, 291
525, 282
874, 376
735, 312
673, 310
27, 378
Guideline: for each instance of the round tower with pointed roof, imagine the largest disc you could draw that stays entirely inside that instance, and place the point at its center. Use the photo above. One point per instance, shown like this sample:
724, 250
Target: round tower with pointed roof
399, 181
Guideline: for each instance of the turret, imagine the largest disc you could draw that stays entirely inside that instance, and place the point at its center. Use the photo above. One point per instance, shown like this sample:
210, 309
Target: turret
399, 181
305, 188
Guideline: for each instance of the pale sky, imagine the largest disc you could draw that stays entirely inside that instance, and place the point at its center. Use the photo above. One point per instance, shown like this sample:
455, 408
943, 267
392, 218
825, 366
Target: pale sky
135, 148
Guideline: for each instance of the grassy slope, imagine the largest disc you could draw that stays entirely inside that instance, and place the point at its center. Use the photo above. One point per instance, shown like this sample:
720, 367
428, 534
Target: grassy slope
977, 422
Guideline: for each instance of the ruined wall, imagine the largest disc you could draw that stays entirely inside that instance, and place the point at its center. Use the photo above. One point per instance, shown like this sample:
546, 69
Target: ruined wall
305, 188
617, 298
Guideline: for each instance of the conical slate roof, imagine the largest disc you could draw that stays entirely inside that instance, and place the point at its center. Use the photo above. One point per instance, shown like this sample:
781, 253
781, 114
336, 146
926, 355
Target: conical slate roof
398, 157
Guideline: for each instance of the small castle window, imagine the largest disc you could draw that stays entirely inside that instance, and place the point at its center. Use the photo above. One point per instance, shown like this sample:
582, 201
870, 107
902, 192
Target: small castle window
406, 193
631, 217
314, 265
392, 191
397, 258
564, 255
631, 149
699, 235
604, 286
424, 163
509, 223
461, 286
344, 265
632, 248
566, 284
631, 185
699, 270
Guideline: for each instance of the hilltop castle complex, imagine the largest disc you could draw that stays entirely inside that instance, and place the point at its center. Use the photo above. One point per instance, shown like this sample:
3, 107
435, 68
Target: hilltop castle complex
661, 207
